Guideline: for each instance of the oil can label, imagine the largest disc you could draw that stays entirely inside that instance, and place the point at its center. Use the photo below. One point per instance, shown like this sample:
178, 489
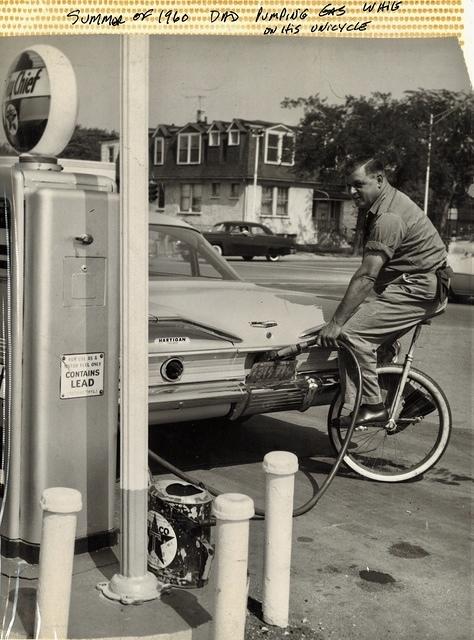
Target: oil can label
162, 543
82, 375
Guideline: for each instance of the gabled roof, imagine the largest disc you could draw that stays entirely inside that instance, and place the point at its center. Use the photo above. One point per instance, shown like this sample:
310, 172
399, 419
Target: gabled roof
218, 125
193, 127
264, 124
240, 124
164, 130
237, 123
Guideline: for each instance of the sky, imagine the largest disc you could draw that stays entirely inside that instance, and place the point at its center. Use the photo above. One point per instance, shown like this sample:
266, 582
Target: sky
248, 77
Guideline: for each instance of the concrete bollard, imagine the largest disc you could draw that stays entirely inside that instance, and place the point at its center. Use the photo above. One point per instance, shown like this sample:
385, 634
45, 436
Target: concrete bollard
280, 468
233, 512
60, 507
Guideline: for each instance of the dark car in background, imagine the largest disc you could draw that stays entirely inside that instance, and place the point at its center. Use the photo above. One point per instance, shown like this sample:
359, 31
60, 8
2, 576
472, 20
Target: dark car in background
250, 239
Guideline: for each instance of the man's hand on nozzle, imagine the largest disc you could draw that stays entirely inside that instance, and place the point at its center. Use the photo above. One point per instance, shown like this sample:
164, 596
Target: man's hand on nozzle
329, 334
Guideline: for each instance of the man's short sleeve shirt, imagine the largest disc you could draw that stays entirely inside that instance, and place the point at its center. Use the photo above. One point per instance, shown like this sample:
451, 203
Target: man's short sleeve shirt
399, 228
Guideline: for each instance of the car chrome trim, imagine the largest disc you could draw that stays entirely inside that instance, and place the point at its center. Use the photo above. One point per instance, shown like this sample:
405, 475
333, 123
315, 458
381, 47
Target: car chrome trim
298, 394
217, 333
264, 324
195, 395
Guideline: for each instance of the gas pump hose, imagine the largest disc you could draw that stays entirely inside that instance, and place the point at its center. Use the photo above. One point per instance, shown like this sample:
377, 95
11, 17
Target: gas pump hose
311, 503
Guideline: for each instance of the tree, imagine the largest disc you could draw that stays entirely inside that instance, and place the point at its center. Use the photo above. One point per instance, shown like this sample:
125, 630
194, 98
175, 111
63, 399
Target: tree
85, 143
330, 136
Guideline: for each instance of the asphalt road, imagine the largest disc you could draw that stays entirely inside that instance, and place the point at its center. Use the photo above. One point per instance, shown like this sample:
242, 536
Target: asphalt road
372, 560
325, 276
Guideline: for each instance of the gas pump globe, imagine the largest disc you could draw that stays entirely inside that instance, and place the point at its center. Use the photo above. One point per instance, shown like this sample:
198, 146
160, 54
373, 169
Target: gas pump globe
59, 333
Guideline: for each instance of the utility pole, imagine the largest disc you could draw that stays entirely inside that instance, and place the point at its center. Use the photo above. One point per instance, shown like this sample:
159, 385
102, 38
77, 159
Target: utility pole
257, 134
434, 120
428, 166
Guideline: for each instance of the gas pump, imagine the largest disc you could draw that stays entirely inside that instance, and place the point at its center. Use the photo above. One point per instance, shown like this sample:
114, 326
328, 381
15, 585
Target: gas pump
59, 292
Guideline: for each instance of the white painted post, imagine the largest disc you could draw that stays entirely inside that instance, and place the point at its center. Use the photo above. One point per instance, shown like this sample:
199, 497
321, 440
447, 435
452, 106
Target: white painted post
134, 584
60, 507
233, 512
280, 468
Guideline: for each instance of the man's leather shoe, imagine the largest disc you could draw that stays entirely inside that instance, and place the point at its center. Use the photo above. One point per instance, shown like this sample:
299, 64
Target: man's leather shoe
366, 415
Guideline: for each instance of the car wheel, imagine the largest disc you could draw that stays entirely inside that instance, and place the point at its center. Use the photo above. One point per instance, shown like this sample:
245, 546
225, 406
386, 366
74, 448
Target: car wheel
247, 258
217, 248
272, 257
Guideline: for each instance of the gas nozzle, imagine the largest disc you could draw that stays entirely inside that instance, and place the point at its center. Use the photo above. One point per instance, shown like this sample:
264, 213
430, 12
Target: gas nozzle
294, 349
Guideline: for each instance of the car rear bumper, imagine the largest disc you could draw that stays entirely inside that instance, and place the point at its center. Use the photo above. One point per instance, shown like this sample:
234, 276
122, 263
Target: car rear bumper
236, 399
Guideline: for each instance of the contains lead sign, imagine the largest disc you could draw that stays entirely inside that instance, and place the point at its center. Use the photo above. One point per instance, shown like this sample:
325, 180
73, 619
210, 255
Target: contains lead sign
82, 375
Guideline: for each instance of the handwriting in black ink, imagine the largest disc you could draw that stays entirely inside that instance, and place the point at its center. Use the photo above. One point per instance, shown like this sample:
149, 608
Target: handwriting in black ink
344, 26
171, 16
279, 16
224, 16
287, 16
329, 10
382, 6
142, 15
95, 18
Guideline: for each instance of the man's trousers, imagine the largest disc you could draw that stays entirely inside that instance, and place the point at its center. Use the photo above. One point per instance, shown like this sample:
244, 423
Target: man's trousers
382, 317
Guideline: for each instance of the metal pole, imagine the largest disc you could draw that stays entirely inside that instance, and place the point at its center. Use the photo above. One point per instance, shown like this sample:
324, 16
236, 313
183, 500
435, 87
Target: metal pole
428, 162
134, 584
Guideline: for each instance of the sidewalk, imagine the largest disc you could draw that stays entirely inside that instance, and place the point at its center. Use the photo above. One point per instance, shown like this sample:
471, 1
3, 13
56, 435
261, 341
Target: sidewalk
178, 614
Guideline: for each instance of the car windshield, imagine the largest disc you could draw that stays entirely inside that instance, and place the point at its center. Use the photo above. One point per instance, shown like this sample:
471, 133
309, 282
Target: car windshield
178, 253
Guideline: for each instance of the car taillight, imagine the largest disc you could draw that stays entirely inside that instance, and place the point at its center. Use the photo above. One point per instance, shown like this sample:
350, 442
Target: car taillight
172, 369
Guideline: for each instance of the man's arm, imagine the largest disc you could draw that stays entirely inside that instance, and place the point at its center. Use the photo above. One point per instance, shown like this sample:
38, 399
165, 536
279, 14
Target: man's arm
359, 287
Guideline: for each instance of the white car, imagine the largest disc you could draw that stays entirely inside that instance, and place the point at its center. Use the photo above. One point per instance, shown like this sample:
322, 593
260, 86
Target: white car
461, 261
212, 335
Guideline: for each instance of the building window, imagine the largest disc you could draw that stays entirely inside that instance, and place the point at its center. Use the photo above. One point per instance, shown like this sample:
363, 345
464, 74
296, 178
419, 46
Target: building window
160, 201
234, 137
189, 148
191, 198
159, 151
271, 148
111, 154
267, 201
235, 190
281, 201
215, 189
274, 201
214, 138
280, 148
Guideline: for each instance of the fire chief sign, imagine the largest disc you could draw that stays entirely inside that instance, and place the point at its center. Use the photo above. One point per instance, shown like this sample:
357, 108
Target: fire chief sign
40, 101
82, 375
